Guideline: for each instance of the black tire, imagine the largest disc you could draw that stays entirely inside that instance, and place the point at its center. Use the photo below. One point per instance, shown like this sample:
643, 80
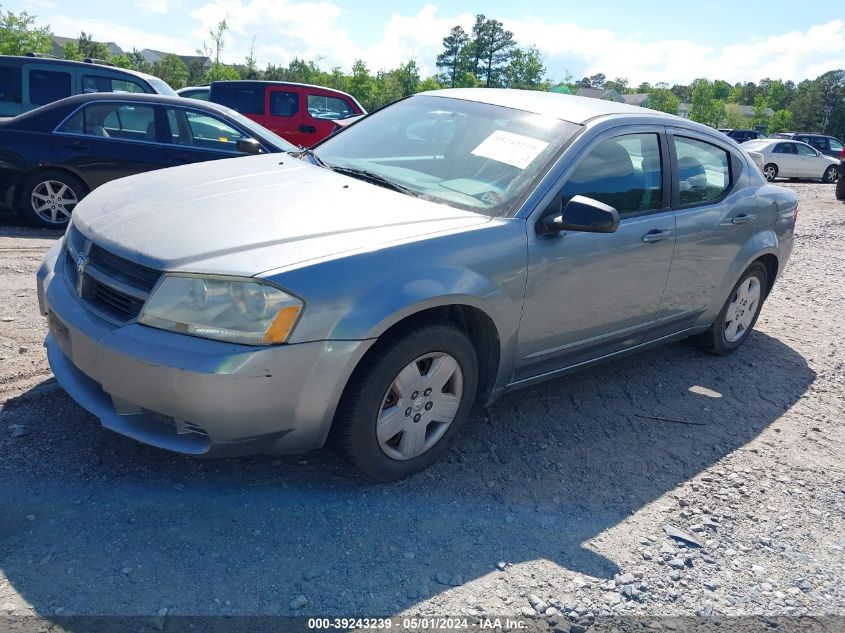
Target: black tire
41, 182
831, 174
713, 340
840, 188
770, 171
354, 430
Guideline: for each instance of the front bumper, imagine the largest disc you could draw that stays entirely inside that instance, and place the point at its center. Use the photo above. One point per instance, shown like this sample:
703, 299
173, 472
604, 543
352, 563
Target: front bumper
187, 394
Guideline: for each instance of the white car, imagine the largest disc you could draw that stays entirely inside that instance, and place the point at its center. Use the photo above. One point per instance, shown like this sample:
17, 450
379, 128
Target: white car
779, 158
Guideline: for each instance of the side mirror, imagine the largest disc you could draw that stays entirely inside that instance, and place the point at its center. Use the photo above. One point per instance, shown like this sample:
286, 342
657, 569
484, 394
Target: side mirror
585, 215
249, 146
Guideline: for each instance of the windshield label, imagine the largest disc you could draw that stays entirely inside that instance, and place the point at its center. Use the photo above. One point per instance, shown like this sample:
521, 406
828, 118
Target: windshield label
509, 148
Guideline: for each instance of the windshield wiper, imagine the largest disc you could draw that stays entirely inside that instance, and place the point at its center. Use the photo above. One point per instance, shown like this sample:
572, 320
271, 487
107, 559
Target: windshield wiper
376, 179
309, 154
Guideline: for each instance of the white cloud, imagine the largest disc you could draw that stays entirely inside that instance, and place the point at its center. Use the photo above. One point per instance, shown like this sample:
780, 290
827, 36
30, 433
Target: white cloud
153, 6
126, 37
794, 55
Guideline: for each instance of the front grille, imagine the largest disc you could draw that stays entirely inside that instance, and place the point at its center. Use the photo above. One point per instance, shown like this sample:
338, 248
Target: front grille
109, 284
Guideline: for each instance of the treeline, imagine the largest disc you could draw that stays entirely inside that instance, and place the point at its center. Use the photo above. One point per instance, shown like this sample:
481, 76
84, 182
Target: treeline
487, 56
816, 105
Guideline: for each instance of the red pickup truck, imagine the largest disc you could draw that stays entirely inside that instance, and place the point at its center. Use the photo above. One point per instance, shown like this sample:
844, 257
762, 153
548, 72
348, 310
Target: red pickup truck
299, 113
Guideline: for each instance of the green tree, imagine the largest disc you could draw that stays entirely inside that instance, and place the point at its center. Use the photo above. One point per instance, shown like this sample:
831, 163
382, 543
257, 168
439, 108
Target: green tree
91, 49
761, 116
71, 51
663, 100
526, 70
407, 76
429, 83
781, 121
361, 84
704, 106
807, 106
733, 117
250, 69
220, 72
121, 61
19, 35
218, 39
138, 62
449, 62
495, 46
620, 85
172, 70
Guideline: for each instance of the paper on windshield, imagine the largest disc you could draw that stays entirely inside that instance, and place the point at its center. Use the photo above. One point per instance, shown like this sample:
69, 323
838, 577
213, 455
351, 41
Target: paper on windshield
509, 148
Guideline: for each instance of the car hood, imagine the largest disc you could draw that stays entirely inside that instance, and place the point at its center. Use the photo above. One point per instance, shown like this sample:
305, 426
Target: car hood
244, 216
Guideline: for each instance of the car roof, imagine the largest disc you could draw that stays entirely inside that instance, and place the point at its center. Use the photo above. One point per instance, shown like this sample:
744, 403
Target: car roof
74, 62
77, 100
267, 82
559, 106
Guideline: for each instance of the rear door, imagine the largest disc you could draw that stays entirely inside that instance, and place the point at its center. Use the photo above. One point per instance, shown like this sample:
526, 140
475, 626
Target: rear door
714, 218
105, 141
284, 107
46, 83
785, 156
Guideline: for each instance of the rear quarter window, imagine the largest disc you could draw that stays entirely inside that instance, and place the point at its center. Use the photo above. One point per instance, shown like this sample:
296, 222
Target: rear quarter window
46, 86
243, 99
10, 84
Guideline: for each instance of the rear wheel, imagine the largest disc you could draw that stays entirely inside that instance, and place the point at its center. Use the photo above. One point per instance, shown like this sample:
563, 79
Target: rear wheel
738, 315
407, 401
831, 174
48, 198
770, 171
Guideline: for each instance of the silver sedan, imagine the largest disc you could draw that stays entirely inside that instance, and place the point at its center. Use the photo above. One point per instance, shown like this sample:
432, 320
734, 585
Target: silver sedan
779, 158
439, 253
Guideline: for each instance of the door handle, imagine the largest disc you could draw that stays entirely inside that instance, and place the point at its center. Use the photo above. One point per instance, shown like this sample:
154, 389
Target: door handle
656, 235
307, 129
743, 219
77, 145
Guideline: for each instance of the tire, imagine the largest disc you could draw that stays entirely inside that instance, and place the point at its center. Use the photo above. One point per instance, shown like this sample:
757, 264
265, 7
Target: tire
840, 188
376, 390
58, 194
831, 174
723, 337
770, 171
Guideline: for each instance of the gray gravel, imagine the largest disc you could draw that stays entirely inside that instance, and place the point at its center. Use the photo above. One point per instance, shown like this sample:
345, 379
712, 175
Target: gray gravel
557, 504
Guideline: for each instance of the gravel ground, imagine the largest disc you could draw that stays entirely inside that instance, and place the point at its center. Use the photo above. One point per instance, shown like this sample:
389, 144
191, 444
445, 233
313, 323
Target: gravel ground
557, 500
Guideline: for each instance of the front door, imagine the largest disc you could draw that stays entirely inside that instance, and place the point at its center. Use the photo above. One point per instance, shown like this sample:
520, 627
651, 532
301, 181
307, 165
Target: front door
195, 136
810, 164
591, 294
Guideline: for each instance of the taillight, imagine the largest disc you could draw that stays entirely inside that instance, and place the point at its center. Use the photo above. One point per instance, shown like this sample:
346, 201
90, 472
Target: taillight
842, 155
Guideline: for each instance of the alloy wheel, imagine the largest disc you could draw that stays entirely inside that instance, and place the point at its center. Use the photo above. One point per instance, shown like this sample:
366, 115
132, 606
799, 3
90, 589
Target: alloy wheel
742, 309
831, 175
419, 406
53, 201
770, 172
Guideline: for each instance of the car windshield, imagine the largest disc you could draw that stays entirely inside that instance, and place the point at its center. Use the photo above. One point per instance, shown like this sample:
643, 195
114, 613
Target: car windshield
470, 155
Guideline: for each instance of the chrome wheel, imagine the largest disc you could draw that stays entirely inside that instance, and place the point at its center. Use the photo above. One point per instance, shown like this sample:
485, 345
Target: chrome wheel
742, 309
831, 174
770, 172
419, 406
53, 201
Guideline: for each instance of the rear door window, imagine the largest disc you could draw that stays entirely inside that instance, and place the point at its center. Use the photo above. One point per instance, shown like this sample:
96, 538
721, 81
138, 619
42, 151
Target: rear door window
46, 86
93, 83
114, 120
284, 103
704, 171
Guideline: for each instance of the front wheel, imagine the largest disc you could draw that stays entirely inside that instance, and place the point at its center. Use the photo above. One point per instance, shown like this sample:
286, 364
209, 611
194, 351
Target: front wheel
739, 314
48, 198
831, 174
406, 401
770, 171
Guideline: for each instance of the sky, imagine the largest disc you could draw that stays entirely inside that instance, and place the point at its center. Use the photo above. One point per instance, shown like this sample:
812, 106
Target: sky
659, 40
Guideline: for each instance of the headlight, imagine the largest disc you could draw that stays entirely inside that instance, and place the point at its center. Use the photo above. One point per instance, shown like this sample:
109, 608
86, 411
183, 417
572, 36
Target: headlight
232, 310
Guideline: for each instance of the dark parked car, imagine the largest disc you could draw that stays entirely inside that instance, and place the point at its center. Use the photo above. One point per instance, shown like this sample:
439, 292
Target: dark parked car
52, 157
827, 145
299, 113
740, 136
840, 183
29, 82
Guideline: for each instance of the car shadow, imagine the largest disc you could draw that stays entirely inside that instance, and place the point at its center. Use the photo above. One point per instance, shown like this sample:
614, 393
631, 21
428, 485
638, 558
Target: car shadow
108, 526
13, 225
